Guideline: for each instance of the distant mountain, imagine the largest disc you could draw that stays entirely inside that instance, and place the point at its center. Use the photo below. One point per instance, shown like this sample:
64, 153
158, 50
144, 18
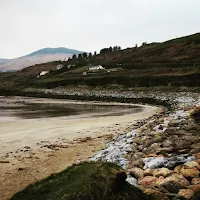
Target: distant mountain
2, 60
37, 57
59, 50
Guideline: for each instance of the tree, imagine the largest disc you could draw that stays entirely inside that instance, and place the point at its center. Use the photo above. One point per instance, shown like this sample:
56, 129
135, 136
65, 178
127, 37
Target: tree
136, 45
144, 43
95, 53
105, 50
80, 55
115, 48
84, 55
74, 56
90, 55
110, 49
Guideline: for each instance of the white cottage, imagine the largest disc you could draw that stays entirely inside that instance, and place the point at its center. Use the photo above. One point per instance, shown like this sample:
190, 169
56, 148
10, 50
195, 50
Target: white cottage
60, 66
43, 73
95, 68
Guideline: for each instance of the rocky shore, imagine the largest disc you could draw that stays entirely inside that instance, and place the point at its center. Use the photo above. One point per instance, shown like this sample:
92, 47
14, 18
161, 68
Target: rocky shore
162, 154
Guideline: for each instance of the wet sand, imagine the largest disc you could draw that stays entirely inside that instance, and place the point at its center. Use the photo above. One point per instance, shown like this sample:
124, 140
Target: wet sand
31, 149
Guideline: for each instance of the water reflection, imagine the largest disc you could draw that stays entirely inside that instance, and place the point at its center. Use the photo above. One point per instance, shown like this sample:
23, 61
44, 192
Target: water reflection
37, 110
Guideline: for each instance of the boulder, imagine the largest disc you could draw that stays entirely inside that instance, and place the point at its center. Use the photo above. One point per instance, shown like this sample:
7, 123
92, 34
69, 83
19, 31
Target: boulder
132, 181
197, 155
155, 194
149, 172
171, 164
186, 193
153, 162
159, 180
198, 161
195, 181
189, 173
175, 182
186, 171
148, 181
135, 163
163, 172
192, 164
178, 168
194, 188
167, 143
136, 172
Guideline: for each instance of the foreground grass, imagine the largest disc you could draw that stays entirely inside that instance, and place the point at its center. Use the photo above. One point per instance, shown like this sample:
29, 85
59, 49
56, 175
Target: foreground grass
86, 181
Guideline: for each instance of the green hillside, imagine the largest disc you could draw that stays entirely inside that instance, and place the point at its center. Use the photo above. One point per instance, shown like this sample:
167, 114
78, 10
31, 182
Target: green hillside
174, 63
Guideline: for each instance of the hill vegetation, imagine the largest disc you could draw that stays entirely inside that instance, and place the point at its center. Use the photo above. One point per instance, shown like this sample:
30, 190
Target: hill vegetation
174, 63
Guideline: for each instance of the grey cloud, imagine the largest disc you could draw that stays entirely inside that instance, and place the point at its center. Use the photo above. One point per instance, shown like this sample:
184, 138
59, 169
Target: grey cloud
92, 24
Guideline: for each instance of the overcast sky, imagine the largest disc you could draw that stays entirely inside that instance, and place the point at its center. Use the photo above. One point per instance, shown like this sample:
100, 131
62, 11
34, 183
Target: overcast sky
89, 25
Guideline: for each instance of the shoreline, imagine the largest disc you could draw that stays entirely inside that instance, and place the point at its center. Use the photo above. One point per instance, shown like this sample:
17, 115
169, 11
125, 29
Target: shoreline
31, 164
172, 134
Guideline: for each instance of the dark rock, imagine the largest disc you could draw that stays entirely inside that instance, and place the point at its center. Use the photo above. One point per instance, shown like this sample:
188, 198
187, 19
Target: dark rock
155, 194
174, 183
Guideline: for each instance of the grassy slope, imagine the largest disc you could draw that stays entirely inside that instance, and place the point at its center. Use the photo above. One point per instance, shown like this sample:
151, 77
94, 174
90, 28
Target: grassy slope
173, 63
86, 181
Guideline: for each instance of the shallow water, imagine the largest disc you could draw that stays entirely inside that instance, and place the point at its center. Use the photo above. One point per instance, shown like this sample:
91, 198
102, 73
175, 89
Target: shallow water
26, 110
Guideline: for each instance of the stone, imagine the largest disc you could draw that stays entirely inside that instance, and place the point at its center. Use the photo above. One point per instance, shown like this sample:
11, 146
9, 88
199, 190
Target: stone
198, 161
194, 188
186, 171
135, 163
171, 165
175, 182
192, 164
178, 168
195, 181
190, 159
155, 194
136, 172
153, 162
167, 143
159, 180
186, 193
132, 181
163, 172
189, 173
149, 172
197, 155
148, 181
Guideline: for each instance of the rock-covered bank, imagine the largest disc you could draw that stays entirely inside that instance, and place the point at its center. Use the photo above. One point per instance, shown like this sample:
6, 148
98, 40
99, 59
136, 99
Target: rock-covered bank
174, 99
162, 154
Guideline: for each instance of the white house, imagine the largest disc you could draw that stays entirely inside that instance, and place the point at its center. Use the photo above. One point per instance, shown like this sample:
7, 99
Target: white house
98, 67
43, 73
60, 66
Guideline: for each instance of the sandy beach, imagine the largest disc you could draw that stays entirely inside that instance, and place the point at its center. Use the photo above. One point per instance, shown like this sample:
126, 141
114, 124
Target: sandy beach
32, 149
